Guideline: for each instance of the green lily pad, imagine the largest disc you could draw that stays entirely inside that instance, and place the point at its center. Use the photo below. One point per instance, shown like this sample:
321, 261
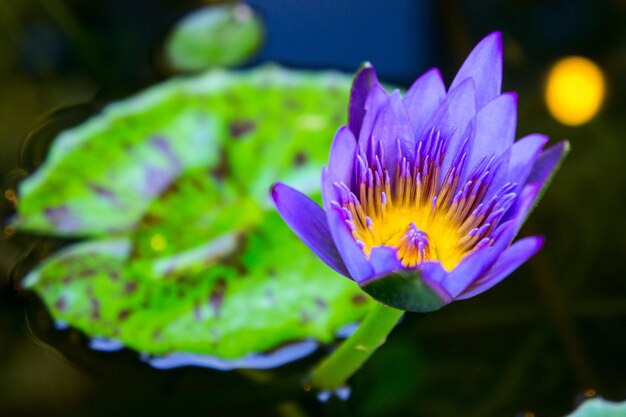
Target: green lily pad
197, 222
197, 261
598, 407
223, 35
250, 128
273, 292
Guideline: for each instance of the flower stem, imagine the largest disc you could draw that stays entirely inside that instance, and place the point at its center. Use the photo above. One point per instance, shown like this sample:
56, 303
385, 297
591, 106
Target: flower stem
334, 370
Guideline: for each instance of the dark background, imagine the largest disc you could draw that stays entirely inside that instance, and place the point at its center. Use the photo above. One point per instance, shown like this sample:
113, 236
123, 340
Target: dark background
536, 345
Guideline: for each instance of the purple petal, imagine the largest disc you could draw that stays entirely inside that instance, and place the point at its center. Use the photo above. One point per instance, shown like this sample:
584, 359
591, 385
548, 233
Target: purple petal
468, 271
308, 221
542, 172
342, 154
352, 255
433, 271
423, 98
525, 202
495, 128
523, 155
548, 162
392, 124
374, 102
476, 264
329, 192
484, 66
508, 262
453, 117
501, 176
364, 80
384, 259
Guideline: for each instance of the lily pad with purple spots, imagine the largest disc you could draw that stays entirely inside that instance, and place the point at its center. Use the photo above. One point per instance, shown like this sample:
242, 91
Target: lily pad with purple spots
268, 293
196, 260
197, 222
246, 128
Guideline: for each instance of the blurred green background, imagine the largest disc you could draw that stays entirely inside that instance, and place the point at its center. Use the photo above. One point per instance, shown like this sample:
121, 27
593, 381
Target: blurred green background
549, 336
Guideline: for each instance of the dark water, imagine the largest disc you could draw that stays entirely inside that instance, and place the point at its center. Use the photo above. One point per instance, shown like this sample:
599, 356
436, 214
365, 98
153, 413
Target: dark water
546, 338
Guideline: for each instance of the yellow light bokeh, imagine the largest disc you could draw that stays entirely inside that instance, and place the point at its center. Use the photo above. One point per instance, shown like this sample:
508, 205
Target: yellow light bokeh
158, 242
575, 90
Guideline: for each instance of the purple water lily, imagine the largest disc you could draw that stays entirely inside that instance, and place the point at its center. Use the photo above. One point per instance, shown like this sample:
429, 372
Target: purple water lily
424, 193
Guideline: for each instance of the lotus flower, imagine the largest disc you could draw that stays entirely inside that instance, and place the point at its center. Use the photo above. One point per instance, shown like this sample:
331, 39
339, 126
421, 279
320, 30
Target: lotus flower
424, 193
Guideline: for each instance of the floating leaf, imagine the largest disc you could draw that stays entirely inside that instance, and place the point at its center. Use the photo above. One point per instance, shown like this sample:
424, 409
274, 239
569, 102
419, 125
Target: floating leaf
599, 407
274, 292
250, 128
223, 35
198, 221
191, 259
100, 177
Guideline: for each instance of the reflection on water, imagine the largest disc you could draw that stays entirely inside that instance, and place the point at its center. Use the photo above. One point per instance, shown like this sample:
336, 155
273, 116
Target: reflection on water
342, 393
270, 360
347, 330
105, 345
61, 325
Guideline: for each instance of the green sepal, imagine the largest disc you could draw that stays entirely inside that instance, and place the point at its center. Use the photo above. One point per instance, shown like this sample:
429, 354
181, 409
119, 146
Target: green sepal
406, 290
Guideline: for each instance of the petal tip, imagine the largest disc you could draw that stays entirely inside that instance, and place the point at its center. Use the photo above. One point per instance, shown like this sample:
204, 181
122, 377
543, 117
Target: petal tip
366, 65
395, 95
467, 86
365, 80
365, 72
484, 64
277, 190
274, 190
513, 96
492, 41
343, 130
543, 139
365, 76
436, 72
433, 72
538, 243
495, 37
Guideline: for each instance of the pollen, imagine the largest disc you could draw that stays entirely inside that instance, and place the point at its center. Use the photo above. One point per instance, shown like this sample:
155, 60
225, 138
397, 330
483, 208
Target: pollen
407, 203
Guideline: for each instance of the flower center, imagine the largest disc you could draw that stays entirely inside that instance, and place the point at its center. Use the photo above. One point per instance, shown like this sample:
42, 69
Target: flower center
425, 217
